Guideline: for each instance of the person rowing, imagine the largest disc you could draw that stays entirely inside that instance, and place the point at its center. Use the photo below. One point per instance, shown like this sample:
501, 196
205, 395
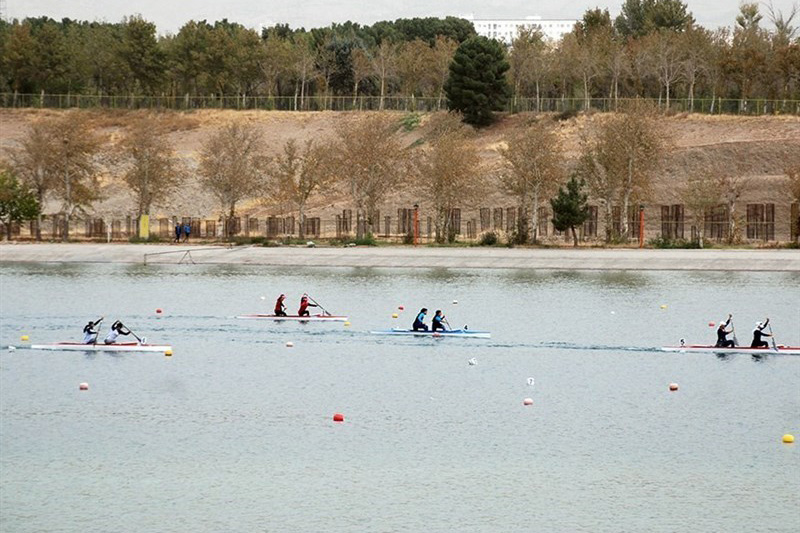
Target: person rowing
89, 332
722, 334
117, 329
304, 305
419, 322
280, 308
758, 332
438, 321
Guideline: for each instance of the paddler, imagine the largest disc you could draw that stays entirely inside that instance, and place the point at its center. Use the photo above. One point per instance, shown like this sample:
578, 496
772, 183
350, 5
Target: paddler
419, 322
722, 334
117, 329
280, 308
304, 305
89, 333
758, 332
438, 321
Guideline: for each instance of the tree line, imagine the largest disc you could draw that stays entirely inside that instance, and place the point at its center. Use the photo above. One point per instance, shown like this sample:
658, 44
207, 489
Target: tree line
368, 157
653, 49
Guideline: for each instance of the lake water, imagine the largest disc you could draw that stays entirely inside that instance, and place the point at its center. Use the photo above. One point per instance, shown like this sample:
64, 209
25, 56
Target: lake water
234, 432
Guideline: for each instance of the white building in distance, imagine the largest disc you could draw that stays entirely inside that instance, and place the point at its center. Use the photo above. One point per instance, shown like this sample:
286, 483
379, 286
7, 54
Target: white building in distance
505, 30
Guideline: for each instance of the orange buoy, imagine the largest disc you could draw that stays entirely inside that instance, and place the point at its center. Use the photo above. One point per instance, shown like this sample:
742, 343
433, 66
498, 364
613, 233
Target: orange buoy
673, 386
338, 417
83, 386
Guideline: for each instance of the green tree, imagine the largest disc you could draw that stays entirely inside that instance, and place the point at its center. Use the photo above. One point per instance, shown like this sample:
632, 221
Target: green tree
570, 207
641, 17
17, 202
143, 55
477, 85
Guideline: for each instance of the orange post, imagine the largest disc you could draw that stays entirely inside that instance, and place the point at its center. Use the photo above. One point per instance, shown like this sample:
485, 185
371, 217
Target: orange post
641, 226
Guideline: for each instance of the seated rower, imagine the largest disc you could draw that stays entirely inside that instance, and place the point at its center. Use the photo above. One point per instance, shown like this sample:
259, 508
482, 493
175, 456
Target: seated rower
304, 305
117, 329
758, 332
438, 321
722, 334
89, 333
280, 309
419, 322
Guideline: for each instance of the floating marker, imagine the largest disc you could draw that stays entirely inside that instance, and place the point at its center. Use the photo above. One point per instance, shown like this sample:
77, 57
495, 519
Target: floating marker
613, 312
663, 306
400, 307
527, 401
12, 348
83, 386
530, 382
289, 344
711, 324
673, 386
455, 302
788, 439
159, 311
24, 338
338, 417
347, 324
168, 353
263, 297
394, 315
473, 362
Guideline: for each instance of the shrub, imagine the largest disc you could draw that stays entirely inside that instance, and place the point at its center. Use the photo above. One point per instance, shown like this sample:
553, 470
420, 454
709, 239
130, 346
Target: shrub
664, 243
488, 239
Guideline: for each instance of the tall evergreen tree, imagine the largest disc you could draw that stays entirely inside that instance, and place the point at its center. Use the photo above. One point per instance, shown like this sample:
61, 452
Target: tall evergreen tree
477, 84
570, 207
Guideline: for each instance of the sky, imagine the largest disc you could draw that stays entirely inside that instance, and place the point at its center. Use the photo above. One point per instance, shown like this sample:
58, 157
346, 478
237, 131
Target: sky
170, 15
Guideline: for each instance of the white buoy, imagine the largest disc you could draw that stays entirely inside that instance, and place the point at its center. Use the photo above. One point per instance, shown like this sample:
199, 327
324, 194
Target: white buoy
289, 344
527, 401
12, 348
530, 382
263, 297
455, 302
473, 362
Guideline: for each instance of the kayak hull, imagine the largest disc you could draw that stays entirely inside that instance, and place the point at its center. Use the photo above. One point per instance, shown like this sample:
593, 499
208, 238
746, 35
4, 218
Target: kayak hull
459, 333
296, 318
120, 347
705, 348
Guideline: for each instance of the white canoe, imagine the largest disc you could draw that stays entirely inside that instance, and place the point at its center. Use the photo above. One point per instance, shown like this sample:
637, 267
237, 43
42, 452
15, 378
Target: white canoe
690, 348
117, 347
296, 318
466, 333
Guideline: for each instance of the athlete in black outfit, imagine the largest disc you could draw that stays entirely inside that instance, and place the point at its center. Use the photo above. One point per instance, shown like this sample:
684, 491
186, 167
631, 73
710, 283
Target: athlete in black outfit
758, 333
419, 324
722, 335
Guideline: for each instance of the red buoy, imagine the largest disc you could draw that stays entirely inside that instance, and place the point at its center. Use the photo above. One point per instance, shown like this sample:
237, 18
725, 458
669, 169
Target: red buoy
711, 324
400, 307
338, 417
83, 386
673, 386
158, 311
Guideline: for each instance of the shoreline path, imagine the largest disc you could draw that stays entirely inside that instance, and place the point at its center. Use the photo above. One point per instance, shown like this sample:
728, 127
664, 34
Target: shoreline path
409, 257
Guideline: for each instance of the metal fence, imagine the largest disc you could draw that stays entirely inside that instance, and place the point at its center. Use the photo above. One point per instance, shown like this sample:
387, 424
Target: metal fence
388, 103
670, 222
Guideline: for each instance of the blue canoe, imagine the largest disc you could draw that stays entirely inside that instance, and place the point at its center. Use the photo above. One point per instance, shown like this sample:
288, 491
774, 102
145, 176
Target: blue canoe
466, 333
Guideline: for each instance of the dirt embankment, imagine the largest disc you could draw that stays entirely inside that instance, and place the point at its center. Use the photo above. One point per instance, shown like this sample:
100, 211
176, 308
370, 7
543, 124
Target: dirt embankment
759, 146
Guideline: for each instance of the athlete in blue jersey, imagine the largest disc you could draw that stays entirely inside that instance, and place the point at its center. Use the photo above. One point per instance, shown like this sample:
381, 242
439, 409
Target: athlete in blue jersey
438, 321
419, 322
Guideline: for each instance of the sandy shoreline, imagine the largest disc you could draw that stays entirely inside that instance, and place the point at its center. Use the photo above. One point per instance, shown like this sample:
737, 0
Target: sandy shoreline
408, 257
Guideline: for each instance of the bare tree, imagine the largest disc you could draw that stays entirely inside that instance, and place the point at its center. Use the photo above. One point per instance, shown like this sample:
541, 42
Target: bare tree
793, 190
33, 161
362, 68
384, 64
75, 152
231, 165
370, 159
528, 61
152, 170
303, 58
533, 157
442, 55
620, 159
663, 56
701, 195
446, 173
297, 174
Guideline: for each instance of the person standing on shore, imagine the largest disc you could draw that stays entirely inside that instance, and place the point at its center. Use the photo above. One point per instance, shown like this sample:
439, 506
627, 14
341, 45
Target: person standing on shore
758, 332
419, 322
187, 230
722, 334
178, 229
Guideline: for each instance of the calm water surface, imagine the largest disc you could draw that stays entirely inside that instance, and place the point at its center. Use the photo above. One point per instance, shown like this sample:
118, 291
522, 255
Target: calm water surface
234, 432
